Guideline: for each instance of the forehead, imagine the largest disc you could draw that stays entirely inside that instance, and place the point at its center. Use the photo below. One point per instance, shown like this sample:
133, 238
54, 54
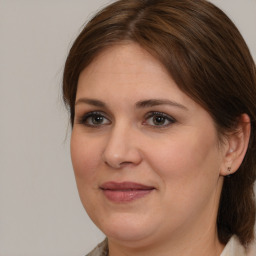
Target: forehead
130, 55
127, 71
124, 66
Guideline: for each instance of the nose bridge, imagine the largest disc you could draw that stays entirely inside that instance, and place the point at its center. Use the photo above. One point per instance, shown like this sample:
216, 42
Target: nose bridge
121, 146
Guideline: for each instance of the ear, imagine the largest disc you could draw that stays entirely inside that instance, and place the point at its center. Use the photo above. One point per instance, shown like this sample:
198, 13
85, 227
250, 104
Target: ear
236, 146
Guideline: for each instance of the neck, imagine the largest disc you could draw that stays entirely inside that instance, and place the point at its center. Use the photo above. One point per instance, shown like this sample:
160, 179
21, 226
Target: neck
202, 245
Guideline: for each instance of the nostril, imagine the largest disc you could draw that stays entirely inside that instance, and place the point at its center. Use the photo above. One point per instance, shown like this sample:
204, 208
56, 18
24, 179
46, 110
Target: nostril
125, 163
112, 164
117, 154
117, 165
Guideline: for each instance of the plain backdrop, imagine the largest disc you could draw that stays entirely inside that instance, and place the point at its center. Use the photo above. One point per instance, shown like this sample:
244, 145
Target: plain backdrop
40, 211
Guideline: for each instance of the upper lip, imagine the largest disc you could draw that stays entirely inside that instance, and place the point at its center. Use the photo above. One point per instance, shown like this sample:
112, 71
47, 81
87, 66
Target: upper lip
125, 186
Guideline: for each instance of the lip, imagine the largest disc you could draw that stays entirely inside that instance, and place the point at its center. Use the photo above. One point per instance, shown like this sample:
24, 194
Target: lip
125, 191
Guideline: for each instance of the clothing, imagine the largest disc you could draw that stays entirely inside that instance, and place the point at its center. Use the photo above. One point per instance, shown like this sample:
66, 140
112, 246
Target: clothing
100, 250
232, 248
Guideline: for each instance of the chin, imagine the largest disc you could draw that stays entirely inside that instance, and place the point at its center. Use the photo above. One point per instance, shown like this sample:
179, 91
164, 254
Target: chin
127, 228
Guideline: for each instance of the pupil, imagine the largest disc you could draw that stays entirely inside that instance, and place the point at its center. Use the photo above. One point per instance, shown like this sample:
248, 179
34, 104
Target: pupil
97, 119
158, 120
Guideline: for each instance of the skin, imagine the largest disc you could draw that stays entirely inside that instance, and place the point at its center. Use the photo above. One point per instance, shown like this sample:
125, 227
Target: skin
181, 157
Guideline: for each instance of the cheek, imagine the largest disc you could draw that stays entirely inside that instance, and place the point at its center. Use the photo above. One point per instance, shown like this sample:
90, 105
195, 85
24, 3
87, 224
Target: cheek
85, 157
188, 170
189, 161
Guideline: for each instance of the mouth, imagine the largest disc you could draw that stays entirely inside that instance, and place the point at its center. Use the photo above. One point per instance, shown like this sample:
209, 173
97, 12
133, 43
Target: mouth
125, 191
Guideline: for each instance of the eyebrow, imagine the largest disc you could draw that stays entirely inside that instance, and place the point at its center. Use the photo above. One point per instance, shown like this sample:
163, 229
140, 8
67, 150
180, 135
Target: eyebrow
157, 102
93, 102
139, 104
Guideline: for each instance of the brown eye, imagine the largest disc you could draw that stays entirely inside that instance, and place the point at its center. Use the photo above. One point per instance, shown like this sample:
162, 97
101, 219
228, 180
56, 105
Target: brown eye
158, 119
94, 119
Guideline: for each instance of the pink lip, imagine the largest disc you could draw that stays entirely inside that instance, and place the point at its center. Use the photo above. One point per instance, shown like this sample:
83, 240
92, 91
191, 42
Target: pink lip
125, 191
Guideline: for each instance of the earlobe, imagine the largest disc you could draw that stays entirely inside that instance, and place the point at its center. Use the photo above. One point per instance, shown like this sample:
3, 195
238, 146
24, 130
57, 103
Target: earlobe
236, 146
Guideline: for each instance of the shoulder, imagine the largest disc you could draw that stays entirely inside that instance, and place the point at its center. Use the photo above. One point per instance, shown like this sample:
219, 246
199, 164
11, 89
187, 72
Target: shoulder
235, 248
100, 250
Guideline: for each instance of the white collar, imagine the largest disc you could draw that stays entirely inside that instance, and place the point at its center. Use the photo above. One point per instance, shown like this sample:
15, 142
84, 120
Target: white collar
235, 248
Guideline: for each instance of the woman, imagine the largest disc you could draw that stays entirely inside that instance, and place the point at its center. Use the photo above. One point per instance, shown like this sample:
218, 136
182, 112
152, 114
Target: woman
162, 100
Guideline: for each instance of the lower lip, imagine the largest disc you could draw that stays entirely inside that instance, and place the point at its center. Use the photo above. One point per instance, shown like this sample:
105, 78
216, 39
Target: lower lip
119, 196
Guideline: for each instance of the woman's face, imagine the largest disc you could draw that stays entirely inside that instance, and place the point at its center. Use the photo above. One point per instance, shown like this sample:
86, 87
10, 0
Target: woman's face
146, 157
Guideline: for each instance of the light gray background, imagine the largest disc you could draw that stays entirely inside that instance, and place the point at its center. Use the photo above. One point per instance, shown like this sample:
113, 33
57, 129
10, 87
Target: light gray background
40, 211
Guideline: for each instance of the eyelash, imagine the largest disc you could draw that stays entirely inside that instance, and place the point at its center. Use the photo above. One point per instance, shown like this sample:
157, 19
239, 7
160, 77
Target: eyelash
85, 119
166, 117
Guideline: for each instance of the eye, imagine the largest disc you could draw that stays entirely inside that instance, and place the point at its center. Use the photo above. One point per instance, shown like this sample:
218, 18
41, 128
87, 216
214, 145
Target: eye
158, 119
94, 119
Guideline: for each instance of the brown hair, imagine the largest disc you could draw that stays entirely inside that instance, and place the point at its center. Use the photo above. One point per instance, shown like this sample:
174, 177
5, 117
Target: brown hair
208, 59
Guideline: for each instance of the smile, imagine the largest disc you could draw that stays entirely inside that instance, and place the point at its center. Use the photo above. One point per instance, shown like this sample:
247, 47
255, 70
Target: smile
125, 191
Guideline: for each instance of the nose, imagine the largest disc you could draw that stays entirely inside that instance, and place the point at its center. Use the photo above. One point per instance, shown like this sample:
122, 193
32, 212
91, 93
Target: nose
121, 148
